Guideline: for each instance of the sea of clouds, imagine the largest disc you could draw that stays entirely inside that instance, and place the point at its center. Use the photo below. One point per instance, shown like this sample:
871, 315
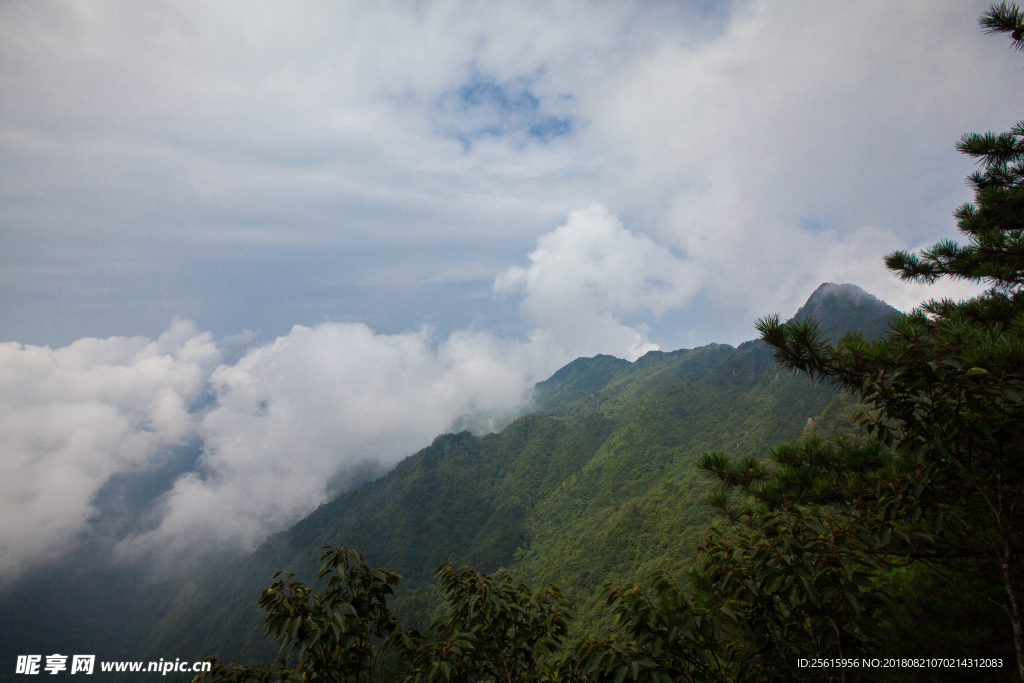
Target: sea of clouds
293, 421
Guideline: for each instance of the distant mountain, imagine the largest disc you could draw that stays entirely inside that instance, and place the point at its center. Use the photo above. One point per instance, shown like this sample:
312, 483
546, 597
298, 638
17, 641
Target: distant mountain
845, 308
598, 484
573, 388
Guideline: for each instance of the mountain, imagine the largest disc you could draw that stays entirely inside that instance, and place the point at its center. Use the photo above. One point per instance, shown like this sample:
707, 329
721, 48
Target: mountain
597, 484
847, 308
596, 487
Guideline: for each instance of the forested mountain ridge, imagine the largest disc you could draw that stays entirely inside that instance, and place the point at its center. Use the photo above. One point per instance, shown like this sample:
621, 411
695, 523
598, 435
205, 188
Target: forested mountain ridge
598, 484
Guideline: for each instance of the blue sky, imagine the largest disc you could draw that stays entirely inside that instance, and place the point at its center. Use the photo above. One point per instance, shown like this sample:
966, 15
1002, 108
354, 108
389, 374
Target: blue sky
449, 198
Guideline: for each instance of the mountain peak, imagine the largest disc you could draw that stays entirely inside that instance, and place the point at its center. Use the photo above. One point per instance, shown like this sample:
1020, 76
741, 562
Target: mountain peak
845, 308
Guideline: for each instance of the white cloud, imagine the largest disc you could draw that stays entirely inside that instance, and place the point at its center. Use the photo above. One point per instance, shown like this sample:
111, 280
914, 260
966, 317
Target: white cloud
72, 417
776, 267
295, 417
805, 139
585, 275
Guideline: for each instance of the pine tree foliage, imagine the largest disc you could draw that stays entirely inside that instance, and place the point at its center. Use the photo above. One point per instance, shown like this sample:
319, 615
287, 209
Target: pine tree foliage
994, 223
1005, 18
947, 384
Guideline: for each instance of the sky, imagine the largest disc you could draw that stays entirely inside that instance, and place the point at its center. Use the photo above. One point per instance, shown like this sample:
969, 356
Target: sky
251, 251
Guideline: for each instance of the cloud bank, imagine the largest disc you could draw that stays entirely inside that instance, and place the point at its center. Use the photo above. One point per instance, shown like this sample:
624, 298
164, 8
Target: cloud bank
589, 273
71, 418
295, 421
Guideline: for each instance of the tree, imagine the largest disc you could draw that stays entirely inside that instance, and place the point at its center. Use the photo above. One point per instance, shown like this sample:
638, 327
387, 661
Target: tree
946, 386
801, 573
496, 630
663, 636
794, 577
328, 637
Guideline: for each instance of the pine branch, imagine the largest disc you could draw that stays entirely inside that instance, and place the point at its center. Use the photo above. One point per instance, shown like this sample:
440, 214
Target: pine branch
1005, 18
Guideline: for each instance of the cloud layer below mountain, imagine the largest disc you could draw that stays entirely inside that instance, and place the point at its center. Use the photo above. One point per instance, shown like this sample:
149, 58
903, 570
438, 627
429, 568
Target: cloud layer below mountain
295, 421
71, 418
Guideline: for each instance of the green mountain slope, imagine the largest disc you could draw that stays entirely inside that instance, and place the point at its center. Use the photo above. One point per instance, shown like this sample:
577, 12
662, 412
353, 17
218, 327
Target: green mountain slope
608, 494
597, 485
